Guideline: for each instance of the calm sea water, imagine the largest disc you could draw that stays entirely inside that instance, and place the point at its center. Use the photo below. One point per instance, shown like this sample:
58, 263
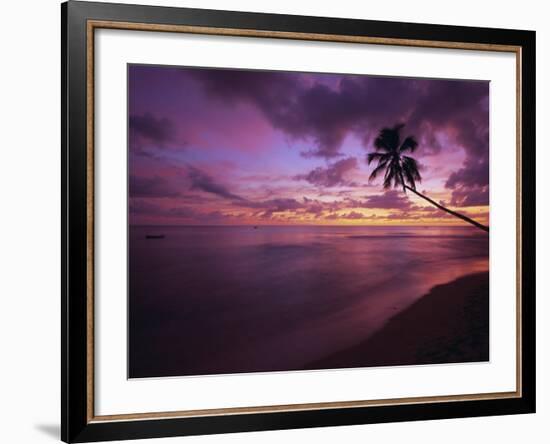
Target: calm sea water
211, 300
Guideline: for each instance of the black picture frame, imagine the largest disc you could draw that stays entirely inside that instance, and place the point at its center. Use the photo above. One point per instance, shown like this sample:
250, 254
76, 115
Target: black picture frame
76, 423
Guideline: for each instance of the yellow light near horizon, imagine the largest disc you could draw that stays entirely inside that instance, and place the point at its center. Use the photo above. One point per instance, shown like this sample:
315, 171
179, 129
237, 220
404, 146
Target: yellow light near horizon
350, 217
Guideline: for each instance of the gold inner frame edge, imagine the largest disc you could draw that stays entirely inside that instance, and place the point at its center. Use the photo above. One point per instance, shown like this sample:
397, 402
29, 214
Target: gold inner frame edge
233, 32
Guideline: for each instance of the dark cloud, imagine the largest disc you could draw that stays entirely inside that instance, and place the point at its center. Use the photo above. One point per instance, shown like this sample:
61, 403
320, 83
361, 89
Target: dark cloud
470, 196
468, 117
151, 187
316, 207
354, 215
142, 207
266, 208
203, 182
403, 215
322, 110
363, 105
391, 199
360, 105
194, 180
333, 175
276, 205
300, 110
473, 176
183, 212
470, 184
147, 131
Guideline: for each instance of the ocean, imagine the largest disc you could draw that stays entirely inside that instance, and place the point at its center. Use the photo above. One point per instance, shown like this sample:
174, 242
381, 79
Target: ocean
232, 299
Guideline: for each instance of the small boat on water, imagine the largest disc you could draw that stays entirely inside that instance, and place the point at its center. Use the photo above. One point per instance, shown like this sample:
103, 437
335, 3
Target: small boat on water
154, 236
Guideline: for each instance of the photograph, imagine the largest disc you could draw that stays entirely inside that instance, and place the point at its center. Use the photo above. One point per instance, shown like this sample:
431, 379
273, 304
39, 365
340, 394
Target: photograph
295, 221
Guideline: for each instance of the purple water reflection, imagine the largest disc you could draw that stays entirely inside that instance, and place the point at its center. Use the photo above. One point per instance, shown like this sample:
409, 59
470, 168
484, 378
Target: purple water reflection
226, 299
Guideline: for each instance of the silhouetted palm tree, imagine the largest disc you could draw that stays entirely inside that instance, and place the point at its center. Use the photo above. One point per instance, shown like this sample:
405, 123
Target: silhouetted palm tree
401, 170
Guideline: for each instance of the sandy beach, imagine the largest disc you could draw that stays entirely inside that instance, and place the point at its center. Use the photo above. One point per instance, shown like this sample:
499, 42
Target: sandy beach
449, 324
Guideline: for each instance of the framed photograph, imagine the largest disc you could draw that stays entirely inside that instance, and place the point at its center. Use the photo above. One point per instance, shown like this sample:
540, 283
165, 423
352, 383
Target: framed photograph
276, 221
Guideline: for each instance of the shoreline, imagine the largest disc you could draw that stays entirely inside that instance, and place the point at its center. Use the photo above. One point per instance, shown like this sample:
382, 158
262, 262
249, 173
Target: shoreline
449, 324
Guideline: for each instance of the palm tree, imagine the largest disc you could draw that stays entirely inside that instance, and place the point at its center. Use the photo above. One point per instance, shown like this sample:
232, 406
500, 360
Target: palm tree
402, 170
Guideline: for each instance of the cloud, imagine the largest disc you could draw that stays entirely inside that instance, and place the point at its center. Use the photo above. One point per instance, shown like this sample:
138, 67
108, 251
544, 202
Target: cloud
150, 187
149, 132
148, 126
314, 206
470, 184
300, 109
306, 206
354, 215
275, 205
142, 207
203, 182
333, 175
184, 212
321, 110
470, 196
474, 174
146, 211
324, 109
268, 207
313, 111
391, 199
402, 216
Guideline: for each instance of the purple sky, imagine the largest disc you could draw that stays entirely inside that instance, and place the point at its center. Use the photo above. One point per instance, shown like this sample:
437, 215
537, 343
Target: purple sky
213, 146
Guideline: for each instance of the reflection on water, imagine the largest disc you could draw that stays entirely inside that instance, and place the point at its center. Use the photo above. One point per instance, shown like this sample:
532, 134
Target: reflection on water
210, 300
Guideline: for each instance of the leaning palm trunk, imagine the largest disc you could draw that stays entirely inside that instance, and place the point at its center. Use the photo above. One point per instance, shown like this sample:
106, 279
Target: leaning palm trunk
400, 169
454, 213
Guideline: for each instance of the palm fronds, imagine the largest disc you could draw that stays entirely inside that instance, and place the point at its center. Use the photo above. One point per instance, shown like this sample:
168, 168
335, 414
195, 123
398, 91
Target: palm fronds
381, 165
399, 169
409, 144
410, 171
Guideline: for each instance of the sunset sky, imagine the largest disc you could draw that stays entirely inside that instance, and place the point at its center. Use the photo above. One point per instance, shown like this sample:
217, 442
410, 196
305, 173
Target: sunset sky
213, 146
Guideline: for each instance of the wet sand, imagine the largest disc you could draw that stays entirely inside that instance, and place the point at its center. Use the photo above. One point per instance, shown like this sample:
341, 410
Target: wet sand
450, 324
